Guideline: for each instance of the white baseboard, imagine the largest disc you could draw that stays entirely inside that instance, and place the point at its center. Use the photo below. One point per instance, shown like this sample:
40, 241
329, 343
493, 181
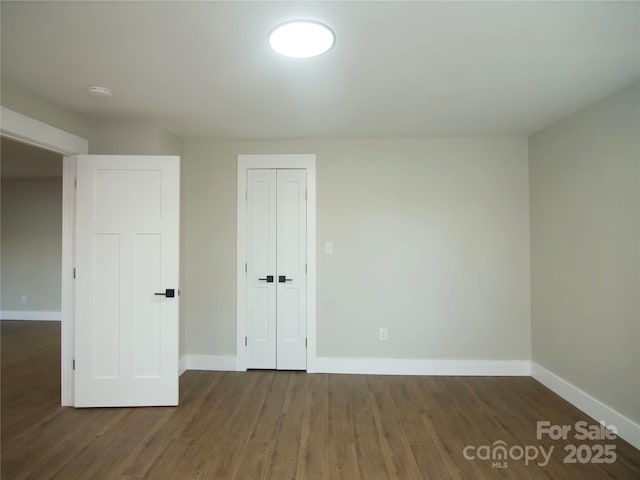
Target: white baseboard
210, 362
182, 365
30, 315
627, 428
378, 366
401, 366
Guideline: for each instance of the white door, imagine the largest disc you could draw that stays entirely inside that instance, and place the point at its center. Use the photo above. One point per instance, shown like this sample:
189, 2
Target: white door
127, 264
261, 269
276, 269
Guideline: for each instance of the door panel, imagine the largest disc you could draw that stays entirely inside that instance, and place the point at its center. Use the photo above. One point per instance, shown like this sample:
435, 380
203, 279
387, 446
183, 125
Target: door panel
292, 259
105, 311
261, 262
147, 281
288, 315
139, 193
127, 250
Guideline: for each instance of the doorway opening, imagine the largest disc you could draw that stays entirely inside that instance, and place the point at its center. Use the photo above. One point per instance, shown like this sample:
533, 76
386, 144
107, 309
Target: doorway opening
31, 291
23, 129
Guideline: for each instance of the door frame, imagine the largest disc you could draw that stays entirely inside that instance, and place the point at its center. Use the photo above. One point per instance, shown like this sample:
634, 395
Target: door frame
27, 130
275, 161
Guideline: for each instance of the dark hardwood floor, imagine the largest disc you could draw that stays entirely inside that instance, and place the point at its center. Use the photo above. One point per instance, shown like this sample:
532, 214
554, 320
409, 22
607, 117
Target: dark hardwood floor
283, 425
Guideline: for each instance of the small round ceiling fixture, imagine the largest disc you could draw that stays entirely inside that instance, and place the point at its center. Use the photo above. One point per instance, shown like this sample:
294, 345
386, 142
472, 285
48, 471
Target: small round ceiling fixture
302, 39
100, 92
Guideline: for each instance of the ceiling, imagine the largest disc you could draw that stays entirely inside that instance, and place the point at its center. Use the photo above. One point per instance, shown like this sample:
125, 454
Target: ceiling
21, 161
205, 70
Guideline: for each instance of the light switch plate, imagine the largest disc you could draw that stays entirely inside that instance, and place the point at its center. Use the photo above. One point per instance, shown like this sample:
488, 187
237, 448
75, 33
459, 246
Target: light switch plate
384, 334
328, 248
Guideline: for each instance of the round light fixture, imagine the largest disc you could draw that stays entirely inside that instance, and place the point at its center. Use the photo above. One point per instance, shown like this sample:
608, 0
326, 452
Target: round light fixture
302, 39
100, 92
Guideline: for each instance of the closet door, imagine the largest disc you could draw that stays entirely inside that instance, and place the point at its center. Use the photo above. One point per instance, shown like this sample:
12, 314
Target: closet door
276, 269
291, 270
261, 269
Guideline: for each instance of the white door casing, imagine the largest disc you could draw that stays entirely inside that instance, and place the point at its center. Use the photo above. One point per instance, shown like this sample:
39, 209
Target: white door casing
307, 163
127, 250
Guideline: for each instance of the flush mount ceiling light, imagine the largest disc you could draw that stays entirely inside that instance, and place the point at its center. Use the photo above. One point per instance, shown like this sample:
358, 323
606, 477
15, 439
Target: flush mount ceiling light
301, 39
100, 92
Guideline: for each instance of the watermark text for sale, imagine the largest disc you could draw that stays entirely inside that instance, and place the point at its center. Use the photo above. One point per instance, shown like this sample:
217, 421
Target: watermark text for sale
589, 443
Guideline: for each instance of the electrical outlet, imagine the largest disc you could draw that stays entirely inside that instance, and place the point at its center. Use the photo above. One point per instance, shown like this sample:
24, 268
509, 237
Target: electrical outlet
23, 298
384, 335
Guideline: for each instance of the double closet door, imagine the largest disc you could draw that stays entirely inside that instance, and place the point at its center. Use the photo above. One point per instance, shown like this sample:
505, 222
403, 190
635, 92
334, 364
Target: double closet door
276, 269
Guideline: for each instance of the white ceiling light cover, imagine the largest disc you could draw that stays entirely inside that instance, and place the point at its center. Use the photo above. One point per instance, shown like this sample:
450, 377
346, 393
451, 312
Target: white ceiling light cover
302, 39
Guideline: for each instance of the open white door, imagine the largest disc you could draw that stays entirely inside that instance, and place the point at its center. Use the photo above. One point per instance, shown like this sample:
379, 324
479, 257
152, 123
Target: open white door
127, 268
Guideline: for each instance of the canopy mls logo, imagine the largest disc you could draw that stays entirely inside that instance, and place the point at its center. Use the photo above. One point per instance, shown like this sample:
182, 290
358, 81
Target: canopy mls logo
499, 453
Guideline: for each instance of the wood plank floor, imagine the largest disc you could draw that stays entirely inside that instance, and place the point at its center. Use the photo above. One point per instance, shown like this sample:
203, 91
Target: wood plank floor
281, 425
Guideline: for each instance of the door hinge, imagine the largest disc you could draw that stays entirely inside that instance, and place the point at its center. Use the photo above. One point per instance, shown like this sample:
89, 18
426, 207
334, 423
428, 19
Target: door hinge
73, 363
245, 267
305, 194
305, 342
305, 268
75, 183
246, 194
245, 341
74, 272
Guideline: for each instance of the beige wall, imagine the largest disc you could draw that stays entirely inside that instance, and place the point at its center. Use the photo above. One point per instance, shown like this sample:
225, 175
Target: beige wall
127, 137
14, 98
585, 220
31, 248
431, 240
106, 137
436, 229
